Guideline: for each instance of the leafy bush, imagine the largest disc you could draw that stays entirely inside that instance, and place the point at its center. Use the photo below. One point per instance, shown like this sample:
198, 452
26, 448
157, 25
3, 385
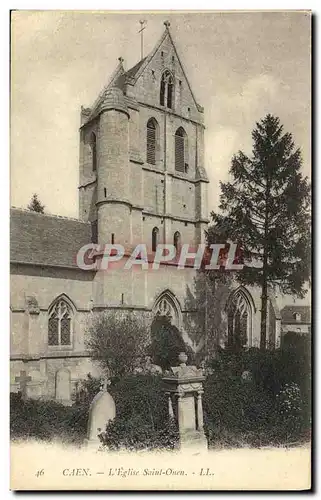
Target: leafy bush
137, 434
142, 420
47, 420
87, 390
140, 395
117, 340
167, 343
273, 408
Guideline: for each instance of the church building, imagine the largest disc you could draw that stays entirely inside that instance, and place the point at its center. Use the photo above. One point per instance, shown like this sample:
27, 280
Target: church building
142, 179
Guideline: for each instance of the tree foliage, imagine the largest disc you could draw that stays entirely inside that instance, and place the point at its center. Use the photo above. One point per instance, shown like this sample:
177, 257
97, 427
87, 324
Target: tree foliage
265, 208
35, 205
208, 300
167, 343
117, 341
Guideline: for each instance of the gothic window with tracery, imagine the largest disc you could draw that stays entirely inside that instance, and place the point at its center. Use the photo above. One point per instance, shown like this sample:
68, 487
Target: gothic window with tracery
60, 324
165, 307
239, 321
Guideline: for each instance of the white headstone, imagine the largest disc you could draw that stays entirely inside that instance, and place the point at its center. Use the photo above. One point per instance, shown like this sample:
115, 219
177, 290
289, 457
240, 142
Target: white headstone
102, 410
63, 386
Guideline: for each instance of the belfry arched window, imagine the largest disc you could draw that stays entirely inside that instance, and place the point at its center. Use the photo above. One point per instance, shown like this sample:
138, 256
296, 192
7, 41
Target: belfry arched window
177, 240
239, 312
60, 323
166, 90
155, 233
181, 161
93, 145
151, 141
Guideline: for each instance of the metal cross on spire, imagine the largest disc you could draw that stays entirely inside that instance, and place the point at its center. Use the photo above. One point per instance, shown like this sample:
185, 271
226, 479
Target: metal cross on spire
141, 31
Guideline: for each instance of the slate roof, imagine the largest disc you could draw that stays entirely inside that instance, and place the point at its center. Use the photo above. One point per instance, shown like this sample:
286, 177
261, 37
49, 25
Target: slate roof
46, 239
117, 80
132, 72
288, 312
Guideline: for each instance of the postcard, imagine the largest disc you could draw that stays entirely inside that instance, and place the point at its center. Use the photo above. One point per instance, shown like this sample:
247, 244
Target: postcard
160, 250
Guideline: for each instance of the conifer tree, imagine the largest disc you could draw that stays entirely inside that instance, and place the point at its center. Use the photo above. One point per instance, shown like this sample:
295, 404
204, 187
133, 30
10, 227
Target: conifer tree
265, 208
35, 205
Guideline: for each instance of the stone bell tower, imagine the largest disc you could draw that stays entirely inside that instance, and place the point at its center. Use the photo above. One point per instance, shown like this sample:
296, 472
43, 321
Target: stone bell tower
142, 173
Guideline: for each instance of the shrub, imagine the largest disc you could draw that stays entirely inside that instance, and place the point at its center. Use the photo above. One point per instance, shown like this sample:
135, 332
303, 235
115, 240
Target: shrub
274, 408
87, 390
142, 420
167, 343
141, 395
136, 434
117, 340
47, 420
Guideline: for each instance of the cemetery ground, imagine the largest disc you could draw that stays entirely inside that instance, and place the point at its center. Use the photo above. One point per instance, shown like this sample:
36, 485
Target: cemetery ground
252, 400
256, 408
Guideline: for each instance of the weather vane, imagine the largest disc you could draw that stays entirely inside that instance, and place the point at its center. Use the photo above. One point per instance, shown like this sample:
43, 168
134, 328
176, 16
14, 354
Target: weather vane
141, 31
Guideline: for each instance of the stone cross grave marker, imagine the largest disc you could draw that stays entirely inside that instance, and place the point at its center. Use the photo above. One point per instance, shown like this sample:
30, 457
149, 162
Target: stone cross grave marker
23, 379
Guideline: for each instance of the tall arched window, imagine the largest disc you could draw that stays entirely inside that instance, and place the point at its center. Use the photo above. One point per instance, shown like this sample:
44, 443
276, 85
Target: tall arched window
93, 144
162, 91
177, 240
155, 238
181, 163
166, 90
60, 323
151, 139
168, 306
239, 314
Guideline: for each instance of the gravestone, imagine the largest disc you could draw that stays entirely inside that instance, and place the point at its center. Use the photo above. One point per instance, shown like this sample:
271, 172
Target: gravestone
23, 380
102, 410
63, 387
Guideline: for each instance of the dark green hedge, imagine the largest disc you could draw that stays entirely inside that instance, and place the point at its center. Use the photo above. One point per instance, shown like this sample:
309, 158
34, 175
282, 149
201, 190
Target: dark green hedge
47, 420
272, 409
142, 419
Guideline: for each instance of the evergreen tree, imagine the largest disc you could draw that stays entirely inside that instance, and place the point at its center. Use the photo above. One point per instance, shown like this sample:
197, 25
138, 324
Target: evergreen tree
35, 205
265, 208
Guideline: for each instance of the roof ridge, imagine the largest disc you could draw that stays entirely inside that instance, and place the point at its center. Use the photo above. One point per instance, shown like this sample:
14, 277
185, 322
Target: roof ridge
57, 216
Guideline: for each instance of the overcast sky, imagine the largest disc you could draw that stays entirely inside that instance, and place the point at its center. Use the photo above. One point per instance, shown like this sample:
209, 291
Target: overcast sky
240, 66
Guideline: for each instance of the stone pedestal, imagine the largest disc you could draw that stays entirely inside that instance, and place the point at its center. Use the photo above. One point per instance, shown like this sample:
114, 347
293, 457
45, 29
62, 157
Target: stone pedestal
184, 387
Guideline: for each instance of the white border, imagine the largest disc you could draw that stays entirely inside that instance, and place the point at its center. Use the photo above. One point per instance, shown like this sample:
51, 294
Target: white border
4, 171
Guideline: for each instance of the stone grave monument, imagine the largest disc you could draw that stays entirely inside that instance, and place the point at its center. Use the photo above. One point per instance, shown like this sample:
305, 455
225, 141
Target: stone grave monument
63, 387
184, 387
102, 410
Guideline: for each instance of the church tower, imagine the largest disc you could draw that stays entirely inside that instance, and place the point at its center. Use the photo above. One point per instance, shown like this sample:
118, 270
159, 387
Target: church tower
142, 175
